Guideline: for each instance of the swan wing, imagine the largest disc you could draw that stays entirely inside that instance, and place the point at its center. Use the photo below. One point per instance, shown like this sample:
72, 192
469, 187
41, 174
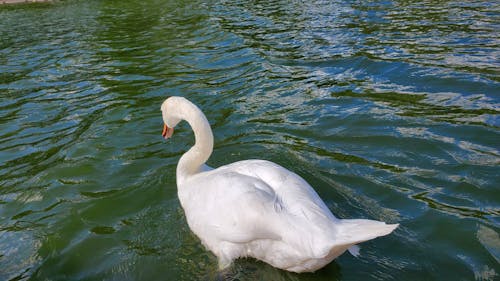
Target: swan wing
295, 194
257, 199
225, 205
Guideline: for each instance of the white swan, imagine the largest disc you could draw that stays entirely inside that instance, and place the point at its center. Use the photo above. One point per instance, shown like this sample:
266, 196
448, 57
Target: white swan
256, 208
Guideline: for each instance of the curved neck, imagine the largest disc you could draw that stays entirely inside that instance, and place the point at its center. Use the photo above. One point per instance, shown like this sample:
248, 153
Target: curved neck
193, 160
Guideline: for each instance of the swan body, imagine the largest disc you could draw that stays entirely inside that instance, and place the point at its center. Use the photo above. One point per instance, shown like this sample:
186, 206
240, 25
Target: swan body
256, 208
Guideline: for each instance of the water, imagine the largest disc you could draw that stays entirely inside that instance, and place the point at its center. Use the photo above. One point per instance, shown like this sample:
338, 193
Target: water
389, 109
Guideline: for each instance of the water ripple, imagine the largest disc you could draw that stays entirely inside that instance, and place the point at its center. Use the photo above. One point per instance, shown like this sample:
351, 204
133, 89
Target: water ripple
389, 109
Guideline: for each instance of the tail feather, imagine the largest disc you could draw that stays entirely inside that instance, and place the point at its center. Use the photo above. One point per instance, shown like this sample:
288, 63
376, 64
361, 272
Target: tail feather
348, 233
355, 231
354, 250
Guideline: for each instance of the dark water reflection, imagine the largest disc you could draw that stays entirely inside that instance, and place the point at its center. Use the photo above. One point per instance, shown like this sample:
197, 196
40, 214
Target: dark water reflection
389, 109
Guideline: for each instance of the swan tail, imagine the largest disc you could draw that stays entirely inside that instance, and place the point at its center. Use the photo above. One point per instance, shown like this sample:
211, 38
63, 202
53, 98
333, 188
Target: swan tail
351, 232
359, 230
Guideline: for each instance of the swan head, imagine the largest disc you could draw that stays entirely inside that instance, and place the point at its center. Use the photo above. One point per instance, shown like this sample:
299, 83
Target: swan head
169, 112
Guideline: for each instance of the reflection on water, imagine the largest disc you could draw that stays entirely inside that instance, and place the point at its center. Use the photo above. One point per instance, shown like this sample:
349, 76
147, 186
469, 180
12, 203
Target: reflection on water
389, 109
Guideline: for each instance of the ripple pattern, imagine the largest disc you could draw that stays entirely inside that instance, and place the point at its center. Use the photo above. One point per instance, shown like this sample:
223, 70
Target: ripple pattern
390, 109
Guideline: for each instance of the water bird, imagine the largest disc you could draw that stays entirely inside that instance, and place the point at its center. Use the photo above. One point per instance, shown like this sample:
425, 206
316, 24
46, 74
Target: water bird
256, 208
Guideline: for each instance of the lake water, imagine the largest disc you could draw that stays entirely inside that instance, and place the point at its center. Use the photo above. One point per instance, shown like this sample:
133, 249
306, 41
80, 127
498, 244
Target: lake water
389, 109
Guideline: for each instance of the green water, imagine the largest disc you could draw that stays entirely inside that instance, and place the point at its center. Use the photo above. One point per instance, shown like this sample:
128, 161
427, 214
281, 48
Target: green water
390, 109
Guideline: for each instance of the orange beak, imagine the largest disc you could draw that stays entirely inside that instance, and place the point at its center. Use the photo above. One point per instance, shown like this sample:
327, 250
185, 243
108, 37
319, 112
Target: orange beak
167, 132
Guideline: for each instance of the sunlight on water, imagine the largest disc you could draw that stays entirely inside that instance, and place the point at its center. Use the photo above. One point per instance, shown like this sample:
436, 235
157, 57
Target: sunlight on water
390, 110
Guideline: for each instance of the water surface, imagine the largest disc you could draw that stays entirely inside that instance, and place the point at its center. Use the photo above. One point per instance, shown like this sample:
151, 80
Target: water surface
390, 109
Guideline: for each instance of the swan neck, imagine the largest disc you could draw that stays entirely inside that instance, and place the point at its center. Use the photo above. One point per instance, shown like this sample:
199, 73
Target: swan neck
193, 160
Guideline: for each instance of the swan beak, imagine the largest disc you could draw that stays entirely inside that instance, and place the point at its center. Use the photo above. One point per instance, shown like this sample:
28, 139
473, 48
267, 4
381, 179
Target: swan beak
167, 132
